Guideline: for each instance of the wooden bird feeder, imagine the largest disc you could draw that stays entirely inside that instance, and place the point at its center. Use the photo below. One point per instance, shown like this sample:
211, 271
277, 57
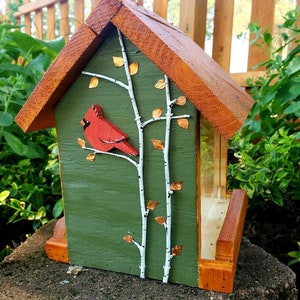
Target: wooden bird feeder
140, 111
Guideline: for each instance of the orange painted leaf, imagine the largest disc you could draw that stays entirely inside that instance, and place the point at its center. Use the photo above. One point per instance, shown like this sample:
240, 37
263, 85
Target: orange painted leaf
118, 61
91, 157
134, 68
183, 123
81, 142
160, 84
181, 100
158, 144
128, 238
177, 250
156, 113
93, 82
176, 186
152, 204
160, 220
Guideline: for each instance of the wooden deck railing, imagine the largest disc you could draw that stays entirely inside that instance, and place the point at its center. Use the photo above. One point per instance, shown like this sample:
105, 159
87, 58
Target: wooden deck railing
48, 19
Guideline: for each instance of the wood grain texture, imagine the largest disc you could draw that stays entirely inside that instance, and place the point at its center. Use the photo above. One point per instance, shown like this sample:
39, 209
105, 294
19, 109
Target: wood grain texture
228, 243
210, 89
216, 275
101, 197
57, 246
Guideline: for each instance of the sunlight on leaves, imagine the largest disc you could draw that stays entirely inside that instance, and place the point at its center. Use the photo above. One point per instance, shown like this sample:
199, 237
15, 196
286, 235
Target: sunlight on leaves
91, 157
118, 61
181, 101
158, 144
133, 68
176, 186
183, 123
156, 113
81, 142
160, 84
93, 82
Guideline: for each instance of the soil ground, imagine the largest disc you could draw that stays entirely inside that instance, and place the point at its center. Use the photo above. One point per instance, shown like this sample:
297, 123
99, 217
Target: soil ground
28, 274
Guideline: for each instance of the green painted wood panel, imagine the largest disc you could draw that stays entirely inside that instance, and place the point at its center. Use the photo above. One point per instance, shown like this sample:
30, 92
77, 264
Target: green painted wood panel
101, 198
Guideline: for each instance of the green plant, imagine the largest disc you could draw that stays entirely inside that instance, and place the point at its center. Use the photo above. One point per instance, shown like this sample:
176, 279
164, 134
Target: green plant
295, 255
29, 169
267, 148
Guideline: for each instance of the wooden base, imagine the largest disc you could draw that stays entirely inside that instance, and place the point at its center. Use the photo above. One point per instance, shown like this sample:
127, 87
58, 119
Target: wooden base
218, 274
57, 246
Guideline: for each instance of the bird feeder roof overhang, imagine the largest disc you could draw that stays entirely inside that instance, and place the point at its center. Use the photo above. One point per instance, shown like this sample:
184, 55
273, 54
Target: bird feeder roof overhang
198, 76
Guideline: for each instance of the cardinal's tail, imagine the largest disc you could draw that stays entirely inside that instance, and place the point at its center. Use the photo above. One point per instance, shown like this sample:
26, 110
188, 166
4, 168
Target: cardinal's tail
127, 148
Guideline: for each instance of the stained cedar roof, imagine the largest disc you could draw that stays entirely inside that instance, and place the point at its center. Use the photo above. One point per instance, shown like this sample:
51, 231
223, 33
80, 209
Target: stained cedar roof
198, 76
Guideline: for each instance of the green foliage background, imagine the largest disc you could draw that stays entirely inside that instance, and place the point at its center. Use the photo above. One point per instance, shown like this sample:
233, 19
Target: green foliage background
267, 148
29, 175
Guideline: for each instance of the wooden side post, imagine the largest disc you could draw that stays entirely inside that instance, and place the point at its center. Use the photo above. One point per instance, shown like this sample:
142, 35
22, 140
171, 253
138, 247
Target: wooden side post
57, 246
218, 274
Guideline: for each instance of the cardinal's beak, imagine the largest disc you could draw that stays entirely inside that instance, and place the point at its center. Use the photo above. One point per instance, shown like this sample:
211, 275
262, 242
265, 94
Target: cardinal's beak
82, 122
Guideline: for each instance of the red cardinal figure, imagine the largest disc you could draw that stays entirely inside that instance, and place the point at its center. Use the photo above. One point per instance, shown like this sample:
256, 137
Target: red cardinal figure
102, 134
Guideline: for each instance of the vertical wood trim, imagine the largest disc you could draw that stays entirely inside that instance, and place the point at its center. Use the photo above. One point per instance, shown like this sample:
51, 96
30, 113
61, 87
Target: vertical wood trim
160, 7
39, 23
64, 25
262, 13
51, 22
223, 32
78, 13
220, 164
27, 20
223, 23
193, 19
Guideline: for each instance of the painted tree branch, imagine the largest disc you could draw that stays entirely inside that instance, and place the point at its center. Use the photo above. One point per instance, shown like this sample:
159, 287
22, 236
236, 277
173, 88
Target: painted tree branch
168, 224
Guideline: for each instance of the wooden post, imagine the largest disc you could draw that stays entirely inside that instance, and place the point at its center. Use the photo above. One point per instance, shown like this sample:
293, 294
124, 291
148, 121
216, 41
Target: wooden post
39, 23
27, 19
263, 14
193, 19
221, 53
78, 13
160, 7
64, 20
50, 22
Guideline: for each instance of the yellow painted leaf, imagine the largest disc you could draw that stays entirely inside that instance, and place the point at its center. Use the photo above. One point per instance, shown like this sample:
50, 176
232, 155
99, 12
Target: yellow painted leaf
93, 82
160, 84
81, 142
158, 144
152, 204
156, 113
177, 250
133, 68
128, 238
181, 100
118, 61
176, 186
183, 123
91, 157
160, 220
